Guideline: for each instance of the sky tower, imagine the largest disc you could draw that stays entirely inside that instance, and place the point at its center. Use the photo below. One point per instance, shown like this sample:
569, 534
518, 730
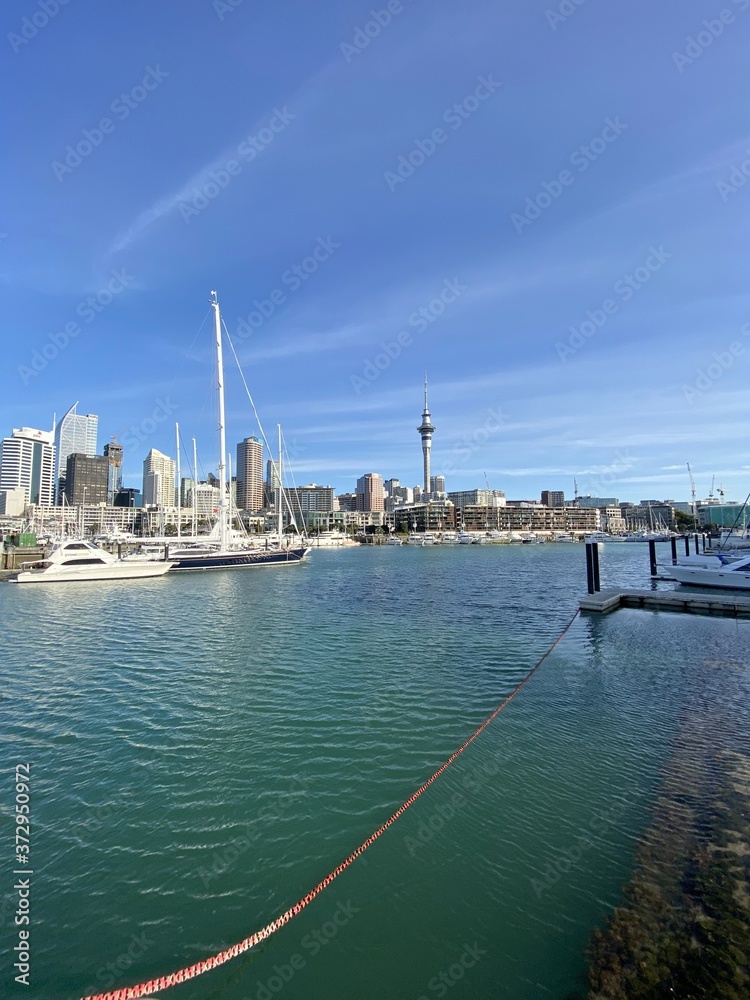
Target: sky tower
426, 430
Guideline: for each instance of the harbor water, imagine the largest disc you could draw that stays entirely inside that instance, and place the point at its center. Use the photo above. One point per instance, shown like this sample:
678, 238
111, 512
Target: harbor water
205, 748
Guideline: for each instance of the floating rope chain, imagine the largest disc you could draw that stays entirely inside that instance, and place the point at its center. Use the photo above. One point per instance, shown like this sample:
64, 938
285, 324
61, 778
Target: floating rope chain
164, 982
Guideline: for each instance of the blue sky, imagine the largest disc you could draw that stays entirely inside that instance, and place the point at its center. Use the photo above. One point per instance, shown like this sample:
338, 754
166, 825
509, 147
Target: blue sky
559, 165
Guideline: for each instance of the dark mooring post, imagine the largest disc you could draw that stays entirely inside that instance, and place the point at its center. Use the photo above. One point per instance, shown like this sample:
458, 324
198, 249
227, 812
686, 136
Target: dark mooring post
687, 545
595, 561
697, 550
652, 557
590, 567
703, 537
673, 543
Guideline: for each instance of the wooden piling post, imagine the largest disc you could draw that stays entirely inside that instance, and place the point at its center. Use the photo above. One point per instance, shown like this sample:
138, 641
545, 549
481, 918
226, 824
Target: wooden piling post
595, 562
590, 568
652, 557
673, 544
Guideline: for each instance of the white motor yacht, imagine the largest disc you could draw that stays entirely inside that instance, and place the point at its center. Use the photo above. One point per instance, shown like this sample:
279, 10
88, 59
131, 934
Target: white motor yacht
79, 560
720, 573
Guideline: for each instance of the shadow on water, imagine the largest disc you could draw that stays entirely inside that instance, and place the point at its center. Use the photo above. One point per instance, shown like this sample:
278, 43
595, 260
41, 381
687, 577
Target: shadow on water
684, 927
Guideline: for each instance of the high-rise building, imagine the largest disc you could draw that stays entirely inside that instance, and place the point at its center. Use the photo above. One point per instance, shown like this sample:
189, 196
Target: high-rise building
250, 474
390, 485
86, 479
370, 492
76, 432
158, 480
437, 484
553, 498
426, 430
113, 454
27, 462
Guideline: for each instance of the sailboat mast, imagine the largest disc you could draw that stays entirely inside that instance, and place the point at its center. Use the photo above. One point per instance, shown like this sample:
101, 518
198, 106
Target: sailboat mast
280, 494
222, 429
195, 490
179, 483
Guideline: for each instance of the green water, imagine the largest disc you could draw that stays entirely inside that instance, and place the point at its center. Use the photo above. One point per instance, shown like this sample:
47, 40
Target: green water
204, 748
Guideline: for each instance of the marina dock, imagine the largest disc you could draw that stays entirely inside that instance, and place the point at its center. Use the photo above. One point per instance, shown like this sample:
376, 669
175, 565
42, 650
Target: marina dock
731, 605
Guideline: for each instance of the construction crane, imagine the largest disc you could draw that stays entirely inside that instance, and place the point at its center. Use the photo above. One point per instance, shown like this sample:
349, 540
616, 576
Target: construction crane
711, 491
694, 504
575, 491
487, 481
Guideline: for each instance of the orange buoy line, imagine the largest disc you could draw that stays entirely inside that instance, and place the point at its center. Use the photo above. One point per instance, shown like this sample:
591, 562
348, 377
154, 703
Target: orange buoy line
174, 978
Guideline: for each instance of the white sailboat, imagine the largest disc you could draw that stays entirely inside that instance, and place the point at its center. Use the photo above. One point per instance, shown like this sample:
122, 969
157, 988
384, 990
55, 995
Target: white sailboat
227, 555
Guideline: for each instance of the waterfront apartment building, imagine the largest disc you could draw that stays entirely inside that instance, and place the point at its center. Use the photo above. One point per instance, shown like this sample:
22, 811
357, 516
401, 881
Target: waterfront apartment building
76, 432
370, 493
113, 454
86, 479
433, 516
204, 497
725, 515
158, 480
589, 501
553, 498
250, 475
346, 501
481, 498
531, 518
305, 499
27, 462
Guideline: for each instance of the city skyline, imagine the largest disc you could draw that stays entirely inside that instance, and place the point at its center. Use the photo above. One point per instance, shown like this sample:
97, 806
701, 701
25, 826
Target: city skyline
566, 260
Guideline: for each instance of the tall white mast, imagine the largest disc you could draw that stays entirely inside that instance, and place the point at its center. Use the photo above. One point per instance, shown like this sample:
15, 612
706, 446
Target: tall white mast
195, 490
229, 490
222, 430
179, 482
279, 494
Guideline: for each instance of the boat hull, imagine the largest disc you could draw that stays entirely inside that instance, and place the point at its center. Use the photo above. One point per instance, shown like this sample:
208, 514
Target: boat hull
118, 571
247, 559
723, 579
